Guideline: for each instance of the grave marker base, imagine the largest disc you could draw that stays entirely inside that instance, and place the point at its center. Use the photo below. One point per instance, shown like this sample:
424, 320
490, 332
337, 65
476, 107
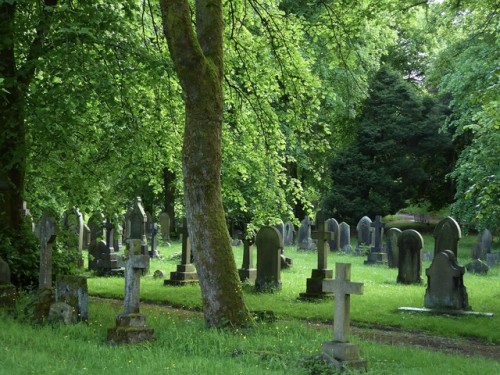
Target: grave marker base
343, 355
314, 285
185, 274
445, 311
377, 258
130, 329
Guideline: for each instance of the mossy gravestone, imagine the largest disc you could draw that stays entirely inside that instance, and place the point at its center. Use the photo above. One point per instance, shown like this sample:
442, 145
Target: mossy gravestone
410, 244
269, 245
391, 247
446, 236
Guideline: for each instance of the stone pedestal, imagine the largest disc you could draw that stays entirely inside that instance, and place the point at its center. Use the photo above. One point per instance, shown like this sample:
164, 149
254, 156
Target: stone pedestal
185, 274
343, 355
130, 329
314, 285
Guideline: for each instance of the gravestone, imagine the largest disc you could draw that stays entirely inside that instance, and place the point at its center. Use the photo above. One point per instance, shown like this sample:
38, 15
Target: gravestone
247, 272
333, 226
149, 224
483, 245
445, 284
118, 237
46, 232
391, 247
153, 252
73, 227
186, 271
109, 234
314, 284
7, 290
73, 290
286, 262
363, 230
376, 255
281, 228
304, 240
131, 325
345, 237
96, 226
477, 266
165, 226
269, 244
289, 238
410, 244
446, 236
340, 352
102, 260
86, 236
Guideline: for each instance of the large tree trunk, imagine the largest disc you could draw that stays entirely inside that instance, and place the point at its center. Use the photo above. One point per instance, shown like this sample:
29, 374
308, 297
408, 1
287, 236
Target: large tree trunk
198, 61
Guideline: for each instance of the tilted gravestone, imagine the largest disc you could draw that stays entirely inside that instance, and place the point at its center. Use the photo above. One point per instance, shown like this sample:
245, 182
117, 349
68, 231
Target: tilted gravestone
247, 272
363, 230
186, 271
446, 236
391, 247
477, 266
304, 240
340, 352
376, 255
345, 237
483, 245
7, 290
445, 285
410, 244
314, 284
131, 325
269, 245
333, 226
73, 236
288, 237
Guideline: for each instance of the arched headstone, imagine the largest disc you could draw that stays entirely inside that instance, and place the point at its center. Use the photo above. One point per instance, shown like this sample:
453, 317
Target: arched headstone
410, 244
269, 245
446, 236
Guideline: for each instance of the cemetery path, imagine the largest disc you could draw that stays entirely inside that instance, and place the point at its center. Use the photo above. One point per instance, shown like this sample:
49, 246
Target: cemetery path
469, 347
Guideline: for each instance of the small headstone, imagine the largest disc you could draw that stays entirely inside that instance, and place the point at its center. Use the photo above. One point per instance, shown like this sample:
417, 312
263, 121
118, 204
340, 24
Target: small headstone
446, 236
304, 240
314, 284
247, 272
345, 237
289, 234
73, 290
269, 245
376, 255
445, 284
340, 352
165, 226
391, 247
186, 271
364, 234
159, 274
153, 252
483, 245
333, 226
61, 312
477, 266
410, 244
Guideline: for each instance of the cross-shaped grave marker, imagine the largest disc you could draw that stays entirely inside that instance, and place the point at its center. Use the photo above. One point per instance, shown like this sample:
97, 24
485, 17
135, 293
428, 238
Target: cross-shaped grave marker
376, 256
340, 351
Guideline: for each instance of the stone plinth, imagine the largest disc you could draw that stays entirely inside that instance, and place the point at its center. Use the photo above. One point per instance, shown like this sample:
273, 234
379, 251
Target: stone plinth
314, 285
343, 355
130, 329
185, 274
376, 258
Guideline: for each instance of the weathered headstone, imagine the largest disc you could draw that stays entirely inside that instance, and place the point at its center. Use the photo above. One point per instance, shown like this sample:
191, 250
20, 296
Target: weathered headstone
165, 226
269, 244
73, 227
410, 244
86, 236
96, 226
102, 256
363, 234
304, 240
153, 252
376, 255
286, 262
477, 266
73, 290
131, 325
288, 238
345, 237
281, 228
333, 226
445, 285
7, 290
483, 245
314, 284
186, 271
118, 237
391, 247
109, 234
446, 236
340, 352
247, 272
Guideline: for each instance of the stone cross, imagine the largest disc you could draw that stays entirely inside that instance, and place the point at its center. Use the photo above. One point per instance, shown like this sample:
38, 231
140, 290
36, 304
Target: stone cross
378, 227
342, 287
322, 235
46, 233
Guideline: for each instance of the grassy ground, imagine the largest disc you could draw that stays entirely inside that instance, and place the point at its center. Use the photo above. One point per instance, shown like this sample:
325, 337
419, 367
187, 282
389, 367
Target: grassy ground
288, 346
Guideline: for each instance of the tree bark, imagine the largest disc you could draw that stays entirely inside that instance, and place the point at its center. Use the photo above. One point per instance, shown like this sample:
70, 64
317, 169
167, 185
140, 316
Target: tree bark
198, 61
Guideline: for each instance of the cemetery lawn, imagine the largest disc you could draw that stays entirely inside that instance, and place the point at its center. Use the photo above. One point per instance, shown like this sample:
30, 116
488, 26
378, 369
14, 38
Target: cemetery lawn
392, 342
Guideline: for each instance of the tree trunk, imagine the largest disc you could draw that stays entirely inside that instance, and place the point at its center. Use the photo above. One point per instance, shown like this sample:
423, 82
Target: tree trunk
198, 61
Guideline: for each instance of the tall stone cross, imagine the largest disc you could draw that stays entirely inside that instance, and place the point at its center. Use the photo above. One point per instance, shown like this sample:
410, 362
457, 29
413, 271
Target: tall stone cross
342, 287
378, 227
322, 235
46, 233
